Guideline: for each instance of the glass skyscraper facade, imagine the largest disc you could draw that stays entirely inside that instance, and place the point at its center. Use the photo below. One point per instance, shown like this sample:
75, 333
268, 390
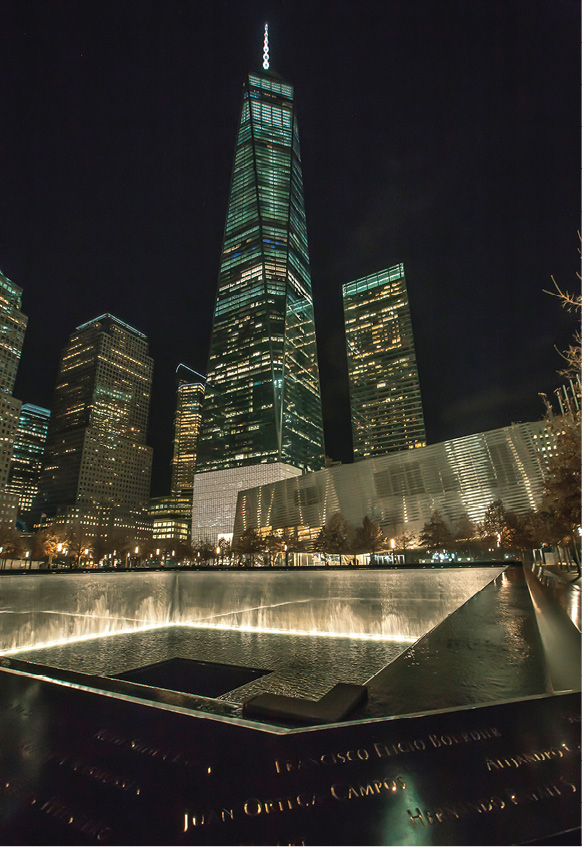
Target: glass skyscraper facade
12, 329
384, 387
262, 416
263, 400
189, 400
172, 515
27, 458
97, 465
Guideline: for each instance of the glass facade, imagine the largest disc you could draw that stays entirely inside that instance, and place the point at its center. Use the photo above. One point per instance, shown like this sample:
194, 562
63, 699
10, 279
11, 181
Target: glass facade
9, 415
28, 455
384, 388
96, 457
190, 396
262, 401
400, 491
12, 329
171, 518
216, 495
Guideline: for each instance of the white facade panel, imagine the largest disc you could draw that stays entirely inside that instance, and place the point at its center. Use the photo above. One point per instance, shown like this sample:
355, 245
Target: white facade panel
400, 491
216, 492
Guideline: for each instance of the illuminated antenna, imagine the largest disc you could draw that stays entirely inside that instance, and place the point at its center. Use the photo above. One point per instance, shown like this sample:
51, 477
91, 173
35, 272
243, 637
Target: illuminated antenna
266, 49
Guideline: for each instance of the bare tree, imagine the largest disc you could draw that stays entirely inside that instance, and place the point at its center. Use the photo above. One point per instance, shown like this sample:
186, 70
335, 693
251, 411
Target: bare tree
562, 478
571, 302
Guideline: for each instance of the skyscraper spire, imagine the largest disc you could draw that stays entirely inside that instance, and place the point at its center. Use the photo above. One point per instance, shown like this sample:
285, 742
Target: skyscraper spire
262, 409
266, 48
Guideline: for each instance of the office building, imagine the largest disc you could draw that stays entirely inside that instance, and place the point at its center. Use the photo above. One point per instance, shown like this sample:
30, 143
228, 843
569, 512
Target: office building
171, 519
27, 458
400, 491
171, 515
384, 388
189, 399
12, 330
262, 409
97, 464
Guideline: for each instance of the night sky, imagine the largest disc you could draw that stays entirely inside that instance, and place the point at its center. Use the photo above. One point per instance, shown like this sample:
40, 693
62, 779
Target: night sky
440, 133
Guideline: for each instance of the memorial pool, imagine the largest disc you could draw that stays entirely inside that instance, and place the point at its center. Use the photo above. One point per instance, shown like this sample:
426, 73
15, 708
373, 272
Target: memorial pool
309, 629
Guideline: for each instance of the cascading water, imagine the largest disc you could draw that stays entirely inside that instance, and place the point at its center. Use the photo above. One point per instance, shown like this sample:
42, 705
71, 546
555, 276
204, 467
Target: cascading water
398, 606
39, 610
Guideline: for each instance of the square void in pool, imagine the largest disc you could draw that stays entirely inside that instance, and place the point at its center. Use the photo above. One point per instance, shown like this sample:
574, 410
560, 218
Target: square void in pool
206, 679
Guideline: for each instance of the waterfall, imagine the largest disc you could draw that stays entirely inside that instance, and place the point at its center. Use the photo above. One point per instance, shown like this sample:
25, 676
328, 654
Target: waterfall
396, 605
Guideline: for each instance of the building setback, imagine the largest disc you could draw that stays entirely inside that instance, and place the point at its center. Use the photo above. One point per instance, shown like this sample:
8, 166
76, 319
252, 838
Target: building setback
97, 466
262, 409
384, 388
12, 329
400, 491
27, 458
